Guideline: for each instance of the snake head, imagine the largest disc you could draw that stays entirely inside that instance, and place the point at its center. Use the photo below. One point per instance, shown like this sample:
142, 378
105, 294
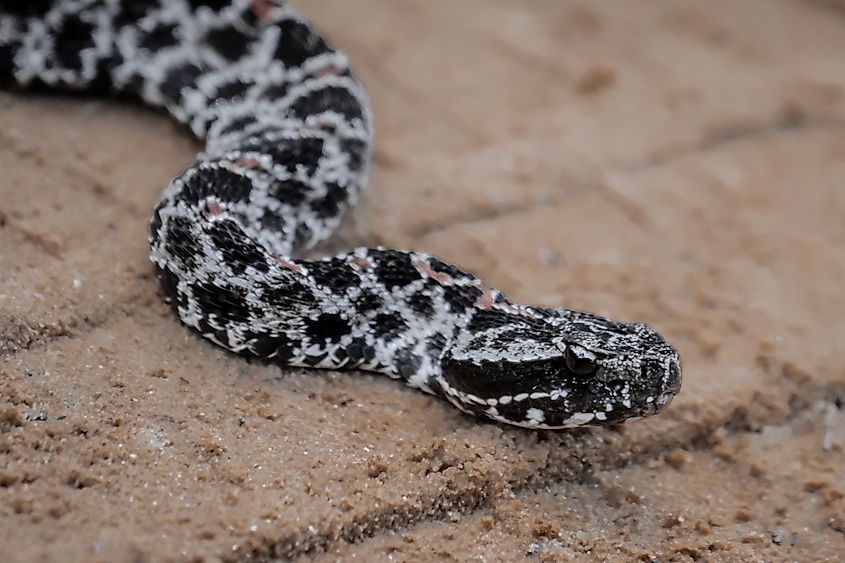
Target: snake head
561, 370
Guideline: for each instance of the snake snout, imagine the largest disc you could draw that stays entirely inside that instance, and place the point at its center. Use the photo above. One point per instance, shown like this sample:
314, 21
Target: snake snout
673, 379
666, 374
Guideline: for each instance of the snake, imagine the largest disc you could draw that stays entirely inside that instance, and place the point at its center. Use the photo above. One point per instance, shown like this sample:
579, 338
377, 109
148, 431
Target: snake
288, 131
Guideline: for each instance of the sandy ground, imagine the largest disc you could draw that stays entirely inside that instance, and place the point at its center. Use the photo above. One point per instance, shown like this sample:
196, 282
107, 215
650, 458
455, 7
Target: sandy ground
662, 161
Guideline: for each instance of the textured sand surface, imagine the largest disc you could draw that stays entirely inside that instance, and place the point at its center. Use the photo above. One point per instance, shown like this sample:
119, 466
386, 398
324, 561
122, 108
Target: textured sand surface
663, 161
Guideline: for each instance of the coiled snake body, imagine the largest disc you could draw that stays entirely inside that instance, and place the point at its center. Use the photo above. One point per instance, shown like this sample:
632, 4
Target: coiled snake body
287, 131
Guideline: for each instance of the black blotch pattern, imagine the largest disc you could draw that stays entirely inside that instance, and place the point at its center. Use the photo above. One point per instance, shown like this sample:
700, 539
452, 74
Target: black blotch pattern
356, 150
359, 351
273, 221
238, 125
161, 36
27, 7
232, 90
102, 76
263, 345
291, 192
484, 320
297, 43
460, 298
134, 83
227, 304
238, 251
329, 98
334, 273
328, 327
180, 243
407, 362
275, 92
304, 153
444, 268
180, 77
289, 295
367, 301
73, 36
330, 204
421, 304
394, 269
229, 42
226, 184
387, 326
301, 153
215, 5
249, 17
7, 66
130, 12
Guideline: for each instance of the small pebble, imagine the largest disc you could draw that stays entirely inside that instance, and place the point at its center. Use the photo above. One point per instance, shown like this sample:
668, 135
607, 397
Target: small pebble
777, 536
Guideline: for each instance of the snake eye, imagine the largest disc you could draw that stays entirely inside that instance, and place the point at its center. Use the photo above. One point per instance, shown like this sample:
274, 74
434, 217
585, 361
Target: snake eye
580, 360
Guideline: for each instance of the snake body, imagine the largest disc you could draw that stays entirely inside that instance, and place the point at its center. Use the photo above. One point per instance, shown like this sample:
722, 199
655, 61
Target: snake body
288, 131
